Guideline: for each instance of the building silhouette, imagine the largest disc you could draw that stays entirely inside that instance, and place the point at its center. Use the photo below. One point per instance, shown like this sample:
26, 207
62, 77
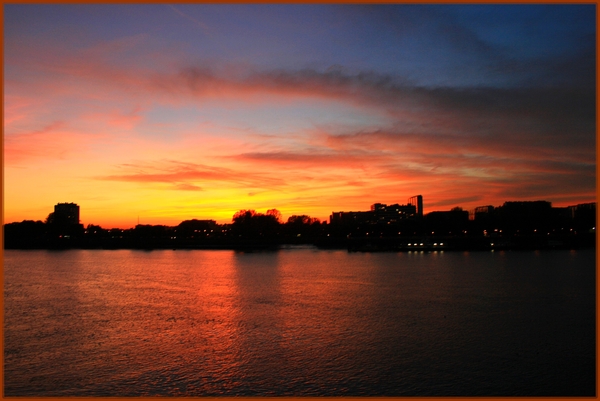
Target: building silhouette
417, 202
583, 210
63, 225
481, 213
65, 214
513, 225
450, 222
69, 211
381, 213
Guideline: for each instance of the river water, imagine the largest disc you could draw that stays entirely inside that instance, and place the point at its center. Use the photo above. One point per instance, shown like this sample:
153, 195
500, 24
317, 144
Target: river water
299, 322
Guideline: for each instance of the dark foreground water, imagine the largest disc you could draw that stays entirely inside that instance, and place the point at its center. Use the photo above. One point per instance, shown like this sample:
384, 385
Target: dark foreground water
298, 322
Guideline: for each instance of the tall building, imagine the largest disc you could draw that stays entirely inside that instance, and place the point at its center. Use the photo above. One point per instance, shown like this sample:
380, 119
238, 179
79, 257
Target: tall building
417, 202
66, 213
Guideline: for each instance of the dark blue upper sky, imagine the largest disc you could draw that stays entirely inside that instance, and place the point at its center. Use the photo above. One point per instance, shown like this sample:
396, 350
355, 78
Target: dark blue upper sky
448, 45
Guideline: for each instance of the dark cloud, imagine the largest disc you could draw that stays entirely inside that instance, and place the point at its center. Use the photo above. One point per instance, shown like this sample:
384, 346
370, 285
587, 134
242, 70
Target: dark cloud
530, 134
562, 117
574, 70
537, 186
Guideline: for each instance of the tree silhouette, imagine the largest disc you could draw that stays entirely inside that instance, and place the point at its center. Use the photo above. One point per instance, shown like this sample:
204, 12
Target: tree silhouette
274, 213
250, 224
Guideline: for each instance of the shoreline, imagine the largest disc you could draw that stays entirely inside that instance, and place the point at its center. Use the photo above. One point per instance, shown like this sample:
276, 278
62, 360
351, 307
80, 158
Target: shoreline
383, 244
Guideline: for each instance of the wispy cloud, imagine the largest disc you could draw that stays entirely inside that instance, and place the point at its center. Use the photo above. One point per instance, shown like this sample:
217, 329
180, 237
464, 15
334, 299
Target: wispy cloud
202, 25
307, 160
55, 141
186, 176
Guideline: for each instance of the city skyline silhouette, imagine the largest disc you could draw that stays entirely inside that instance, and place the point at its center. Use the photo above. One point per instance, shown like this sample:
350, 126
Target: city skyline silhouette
514, 225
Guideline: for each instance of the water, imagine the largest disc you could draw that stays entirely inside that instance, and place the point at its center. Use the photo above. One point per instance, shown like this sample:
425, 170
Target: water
298, 322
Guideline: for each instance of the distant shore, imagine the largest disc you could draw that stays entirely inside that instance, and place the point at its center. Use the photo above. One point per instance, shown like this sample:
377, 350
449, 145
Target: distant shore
353, 244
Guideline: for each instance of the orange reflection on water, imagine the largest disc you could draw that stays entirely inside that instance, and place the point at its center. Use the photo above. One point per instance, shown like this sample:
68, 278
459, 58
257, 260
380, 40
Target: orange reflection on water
161, 317
293, 322
211, 338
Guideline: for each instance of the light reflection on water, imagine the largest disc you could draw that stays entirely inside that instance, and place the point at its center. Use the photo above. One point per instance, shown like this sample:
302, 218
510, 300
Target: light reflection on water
299, 322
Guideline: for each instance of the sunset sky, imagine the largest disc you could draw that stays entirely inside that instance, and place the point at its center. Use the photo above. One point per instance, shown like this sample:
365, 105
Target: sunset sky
174, 112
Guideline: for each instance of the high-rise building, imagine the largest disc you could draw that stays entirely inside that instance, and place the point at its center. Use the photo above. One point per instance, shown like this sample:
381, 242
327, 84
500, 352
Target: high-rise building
417, 201
66, 213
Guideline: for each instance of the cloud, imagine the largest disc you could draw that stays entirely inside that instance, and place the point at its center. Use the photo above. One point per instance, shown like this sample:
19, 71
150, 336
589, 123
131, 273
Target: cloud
537, 107
495, 141
56, 141
185, 176
491, 140
187, 187
554, 120
202, 25
307, 159
127, 120
16, 109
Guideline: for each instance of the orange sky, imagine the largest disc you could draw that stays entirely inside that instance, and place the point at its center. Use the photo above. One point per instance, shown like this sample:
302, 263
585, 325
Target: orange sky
166, 118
